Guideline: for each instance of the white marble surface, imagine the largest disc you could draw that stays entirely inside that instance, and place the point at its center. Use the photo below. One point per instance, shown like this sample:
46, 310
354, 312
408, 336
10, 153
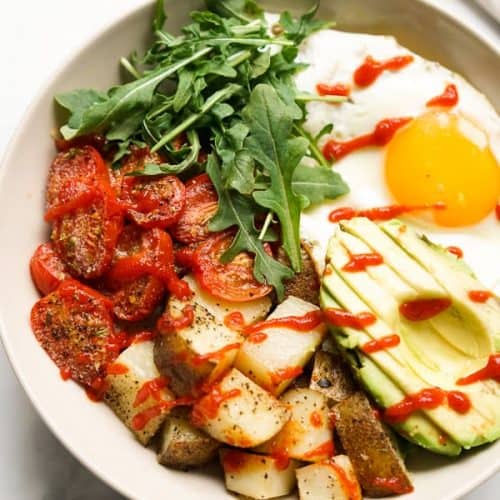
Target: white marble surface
35, 37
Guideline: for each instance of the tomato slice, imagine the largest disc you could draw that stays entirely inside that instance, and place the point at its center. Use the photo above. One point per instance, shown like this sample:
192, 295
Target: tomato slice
85, 238
201, 205
47, 269
97, 141
76, 178
137, 298
155, 257
74, 326
233, 281
152, 201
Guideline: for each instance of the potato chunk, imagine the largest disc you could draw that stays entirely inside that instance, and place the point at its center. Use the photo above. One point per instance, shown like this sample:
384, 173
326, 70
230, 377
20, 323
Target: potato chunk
331, 480
281, 352
307, 435
369, 445
331, 376
197, 353
183, 446
257, 476
252, 311
127, 391
238, 412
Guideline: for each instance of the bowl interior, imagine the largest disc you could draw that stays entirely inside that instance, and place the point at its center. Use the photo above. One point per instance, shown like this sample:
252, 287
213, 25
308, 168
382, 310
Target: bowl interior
90, 430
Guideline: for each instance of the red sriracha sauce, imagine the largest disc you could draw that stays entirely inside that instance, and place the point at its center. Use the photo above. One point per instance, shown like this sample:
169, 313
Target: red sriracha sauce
447, 99
381, 344
459, 402
117, 369
151, 388
491, 370
371, 69
380, 213
456, 251
257, 337
338, 89
393, 484
214, 356
425, 399
359, 262
315, 419
167, 324
234, 461
234, 321
480, 296
304, 323
382, 134
323, 451
208, 406
497, 211
65, 373
284, 374
341, 317
422, 309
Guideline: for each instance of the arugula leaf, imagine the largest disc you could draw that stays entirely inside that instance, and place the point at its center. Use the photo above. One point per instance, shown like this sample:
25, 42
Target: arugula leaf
123, 100
270, 122
237, 210
318, 184
298, 29
244, 10
160, 17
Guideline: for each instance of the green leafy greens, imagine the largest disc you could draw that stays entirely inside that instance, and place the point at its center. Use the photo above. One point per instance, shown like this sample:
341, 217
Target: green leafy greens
224, 85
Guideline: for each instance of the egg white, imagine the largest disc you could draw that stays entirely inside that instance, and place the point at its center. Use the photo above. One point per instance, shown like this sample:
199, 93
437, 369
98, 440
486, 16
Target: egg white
332, 57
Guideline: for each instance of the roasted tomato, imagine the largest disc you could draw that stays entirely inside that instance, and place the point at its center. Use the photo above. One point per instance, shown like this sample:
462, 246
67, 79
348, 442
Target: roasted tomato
201, 205
77, 177
97, 141
85, 238
154, 257
74, 326
233, 281
137, 298
47, 269
150, 201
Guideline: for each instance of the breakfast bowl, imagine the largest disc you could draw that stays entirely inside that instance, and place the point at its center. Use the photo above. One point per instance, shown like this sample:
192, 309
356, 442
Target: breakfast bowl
91, 431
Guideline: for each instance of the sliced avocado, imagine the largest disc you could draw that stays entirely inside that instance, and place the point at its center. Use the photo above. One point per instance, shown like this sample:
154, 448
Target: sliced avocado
395, 257
480, 320
406, 365
417, 428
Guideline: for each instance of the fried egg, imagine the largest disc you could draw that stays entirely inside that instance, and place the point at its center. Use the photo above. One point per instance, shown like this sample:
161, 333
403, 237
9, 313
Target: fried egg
446, 154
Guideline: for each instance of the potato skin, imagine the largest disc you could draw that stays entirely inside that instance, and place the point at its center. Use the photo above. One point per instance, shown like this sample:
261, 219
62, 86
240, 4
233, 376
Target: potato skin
183, 446
331, 376
368, 443
304, 285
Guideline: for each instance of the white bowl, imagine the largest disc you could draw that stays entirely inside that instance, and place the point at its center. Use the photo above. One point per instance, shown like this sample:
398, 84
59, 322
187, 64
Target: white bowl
91, 431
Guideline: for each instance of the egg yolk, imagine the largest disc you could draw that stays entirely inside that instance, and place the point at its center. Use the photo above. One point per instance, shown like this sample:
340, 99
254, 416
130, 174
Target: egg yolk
441, 157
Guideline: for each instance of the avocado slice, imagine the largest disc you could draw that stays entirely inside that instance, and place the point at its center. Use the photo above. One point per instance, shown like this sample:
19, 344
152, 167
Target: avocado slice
424, 357
481, 320
455, 323
417, 428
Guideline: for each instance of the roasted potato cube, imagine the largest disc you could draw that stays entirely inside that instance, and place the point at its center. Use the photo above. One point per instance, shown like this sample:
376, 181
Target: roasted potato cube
183, 446
331, 376
238, 412
198, 353
330, 480
304, 284
369, 444
251, 311
307, 435
281, 352
257, 476
126, 382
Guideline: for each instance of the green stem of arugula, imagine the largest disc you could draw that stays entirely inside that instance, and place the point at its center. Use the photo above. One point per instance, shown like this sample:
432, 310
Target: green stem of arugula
215, 98
313, 147
245, 29
265, 226
333, 99
258, 42
130, 68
